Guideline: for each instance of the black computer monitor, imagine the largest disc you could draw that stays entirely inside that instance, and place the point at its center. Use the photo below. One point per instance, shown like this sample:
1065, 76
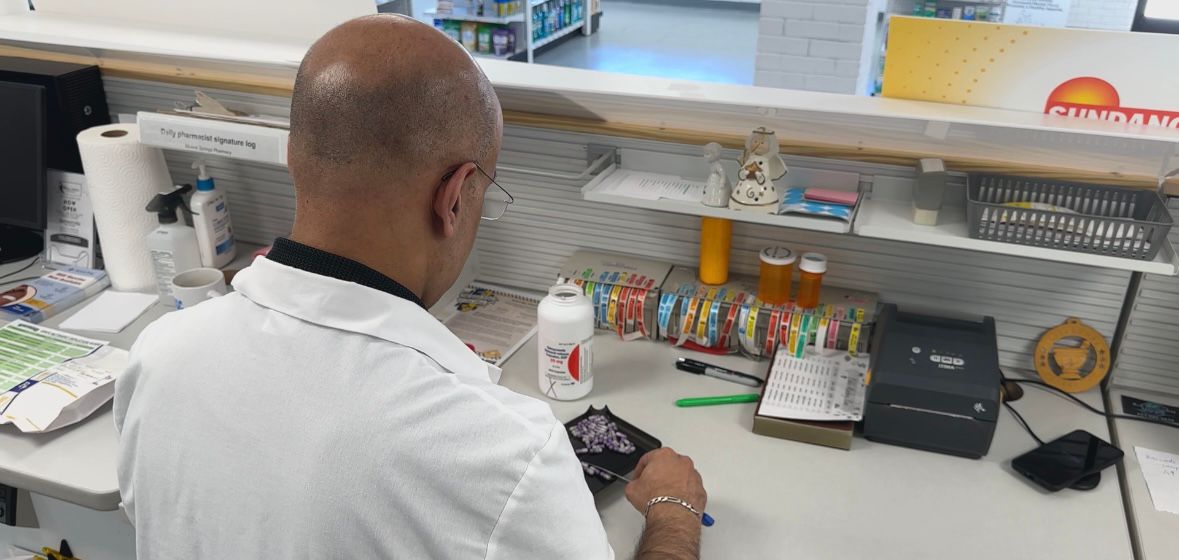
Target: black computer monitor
22, 170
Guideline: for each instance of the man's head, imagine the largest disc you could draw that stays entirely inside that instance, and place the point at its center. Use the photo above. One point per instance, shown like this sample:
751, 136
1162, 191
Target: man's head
390, 123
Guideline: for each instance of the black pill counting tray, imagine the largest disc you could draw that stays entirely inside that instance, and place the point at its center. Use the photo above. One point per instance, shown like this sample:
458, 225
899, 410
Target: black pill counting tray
617, 462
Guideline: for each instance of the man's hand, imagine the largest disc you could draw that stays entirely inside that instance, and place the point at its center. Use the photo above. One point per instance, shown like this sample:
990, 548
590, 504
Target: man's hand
663, 472
672, 531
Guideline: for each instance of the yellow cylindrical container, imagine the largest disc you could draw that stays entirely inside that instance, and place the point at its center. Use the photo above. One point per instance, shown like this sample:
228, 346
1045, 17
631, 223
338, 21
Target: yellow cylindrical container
812, 267
777, 272
716, 239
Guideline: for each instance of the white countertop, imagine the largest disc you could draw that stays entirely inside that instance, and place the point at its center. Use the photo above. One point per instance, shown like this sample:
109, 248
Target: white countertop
775, 498
1158, 531
769, 496
76, 463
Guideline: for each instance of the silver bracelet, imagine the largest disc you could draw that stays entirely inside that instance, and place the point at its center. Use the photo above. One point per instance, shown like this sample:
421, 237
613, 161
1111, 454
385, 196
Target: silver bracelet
670, 500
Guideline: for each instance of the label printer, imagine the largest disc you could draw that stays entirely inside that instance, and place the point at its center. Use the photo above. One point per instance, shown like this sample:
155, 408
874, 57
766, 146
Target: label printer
934, 384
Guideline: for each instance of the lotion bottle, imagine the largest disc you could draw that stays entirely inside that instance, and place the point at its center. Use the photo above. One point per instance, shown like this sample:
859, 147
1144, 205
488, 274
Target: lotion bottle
214, 230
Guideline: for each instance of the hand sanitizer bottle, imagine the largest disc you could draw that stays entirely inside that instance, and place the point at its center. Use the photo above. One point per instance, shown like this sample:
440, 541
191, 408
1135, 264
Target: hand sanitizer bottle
214, 230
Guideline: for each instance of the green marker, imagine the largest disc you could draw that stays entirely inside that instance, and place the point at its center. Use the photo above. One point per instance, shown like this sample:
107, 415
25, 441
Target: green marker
727, 399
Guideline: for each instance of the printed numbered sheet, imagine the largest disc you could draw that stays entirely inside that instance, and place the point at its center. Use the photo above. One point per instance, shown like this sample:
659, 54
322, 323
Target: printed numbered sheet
819, 386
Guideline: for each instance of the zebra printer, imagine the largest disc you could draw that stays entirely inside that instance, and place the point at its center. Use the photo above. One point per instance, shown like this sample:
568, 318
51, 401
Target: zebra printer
934, 383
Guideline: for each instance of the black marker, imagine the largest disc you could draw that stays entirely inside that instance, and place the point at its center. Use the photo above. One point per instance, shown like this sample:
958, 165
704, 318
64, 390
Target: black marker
701, 368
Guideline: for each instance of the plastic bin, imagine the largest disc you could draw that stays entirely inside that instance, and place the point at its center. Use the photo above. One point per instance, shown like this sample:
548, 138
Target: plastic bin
1111, 221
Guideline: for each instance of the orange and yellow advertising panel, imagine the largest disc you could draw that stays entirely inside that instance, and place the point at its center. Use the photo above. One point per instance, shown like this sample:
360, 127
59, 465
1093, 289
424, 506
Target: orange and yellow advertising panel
1103, 75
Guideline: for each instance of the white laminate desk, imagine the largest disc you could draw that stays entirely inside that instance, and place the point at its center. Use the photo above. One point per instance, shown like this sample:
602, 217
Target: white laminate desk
75, 464
1157, 531
774, 498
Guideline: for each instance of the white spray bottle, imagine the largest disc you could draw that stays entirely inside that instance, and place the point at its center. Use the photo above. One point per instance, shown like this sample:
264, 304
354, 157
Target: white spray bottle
173, 245
214, 230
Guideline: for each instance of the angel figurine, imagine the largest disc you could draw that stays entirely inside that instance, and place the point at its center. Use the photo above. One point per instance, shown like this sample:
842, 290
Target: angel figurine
761, 165
718, 189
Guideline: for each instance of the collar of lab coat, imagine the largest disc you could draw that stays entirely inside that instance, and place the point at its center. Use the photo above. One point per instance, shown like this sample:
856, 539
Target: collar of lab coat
351, 307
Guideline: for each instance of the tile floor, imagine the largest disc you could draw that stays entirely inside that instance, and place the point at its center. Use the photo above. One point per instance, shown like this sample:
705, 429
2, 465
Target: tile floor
692, 43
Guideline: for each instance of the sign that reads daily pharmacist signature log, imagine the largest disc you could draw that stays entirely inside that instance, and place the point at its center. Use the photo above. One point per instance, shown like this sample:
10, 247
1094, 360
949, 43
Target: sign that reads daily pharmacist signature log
254, 143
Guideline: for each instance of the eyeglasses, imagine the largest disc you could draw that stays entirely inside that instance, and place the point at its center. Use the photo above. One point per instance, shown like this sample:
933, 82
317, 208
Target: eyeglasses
495, 201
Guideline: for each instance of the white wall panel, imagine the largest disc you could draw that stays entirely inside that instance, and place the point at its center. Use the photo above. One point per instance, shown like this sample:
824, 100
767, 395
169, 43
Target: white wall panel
550, 220
1149, 356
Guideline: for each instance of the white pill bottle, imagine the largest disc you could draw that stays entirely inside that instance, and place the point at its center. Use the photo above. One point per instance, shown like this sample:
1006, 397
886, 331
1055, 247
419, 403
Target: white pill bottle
564, 342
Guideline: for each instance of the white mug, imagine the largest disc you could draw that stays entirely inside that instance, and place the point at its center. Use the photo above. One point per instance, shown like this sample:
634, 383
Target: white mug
199, 284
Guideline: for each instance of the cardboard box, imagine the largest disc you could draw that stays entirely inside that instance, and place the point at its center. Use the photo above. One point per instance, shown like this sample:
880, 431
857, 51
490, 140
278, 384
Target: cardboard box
831, 434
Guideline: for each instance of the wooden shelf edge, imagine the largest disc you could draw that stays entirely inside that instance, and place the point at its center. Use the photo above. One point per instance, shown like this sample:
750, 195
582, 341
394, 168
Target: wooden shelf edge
282, 86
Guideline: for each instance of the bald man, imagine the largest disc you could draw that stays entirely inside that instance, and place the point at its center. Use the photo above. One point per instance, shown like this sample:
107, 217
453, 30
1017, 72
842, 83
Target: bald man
320, 411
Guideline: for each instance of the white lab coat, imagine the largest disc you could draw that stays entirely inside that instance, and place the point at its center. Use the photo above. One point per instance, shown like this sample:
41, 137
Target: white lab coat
307, 417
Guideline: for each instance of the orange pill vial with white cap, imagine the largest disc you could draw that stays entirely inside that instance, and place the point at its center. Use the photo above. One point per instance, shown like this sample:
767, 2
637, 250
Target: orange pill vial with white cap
811, 268
777, 273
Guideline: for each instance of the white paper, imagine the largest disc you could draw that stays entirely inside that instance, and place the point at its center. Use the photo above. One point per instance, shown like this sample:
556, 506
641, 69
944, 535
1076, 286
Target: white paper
111, 312
653, 186
1161, 471
819, 386
27, 349
59, 378
1047, 13
495, 321
69, 234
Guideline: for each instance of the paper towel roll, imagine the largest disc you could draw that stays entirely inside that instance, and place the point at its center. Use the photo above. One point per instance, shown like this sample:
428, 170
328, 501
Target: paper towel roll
123, 176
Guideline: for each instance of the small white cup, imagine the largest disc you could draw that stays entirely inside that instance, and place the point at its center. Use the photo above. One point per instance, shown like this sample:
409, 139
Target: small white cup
199, 284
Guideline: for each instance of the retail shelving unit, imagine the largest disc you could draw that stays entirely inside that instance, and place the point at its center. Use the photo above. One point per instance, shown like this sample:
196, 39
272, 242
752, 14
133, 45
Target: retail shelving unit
884, 210
525, 24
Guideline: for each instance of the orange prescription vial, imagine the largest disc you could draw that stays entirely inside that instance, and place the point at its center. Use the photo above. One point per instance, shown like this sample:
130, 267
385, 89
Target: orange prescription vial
812, 267
777, 272
716, 239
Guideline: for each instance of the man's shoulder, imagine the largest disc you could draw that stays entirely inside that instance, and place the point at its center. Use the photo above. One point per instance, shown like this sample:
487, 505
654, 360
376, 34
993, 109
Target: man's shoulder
505, 406
210, 318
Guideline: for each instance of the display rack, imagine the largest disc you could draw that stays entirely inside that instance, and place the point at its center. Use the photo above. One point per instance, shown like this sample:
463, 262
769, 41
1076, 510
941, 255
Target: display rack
530, 24
883, 213
600, 189
893, 219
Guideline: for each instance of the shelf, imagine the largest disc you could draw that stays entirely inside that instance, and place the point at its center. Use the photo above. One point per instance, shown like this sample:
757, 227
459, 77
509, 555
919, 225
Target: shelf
557, 35
601, 189
495, 56
892, 219
460, 15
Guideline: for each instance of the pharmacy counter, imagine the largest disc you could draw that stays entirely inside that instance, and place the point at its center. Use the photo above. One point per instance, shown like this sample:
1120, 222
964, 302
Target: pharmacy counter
1157, 531
75, 464
774, 498
770, 497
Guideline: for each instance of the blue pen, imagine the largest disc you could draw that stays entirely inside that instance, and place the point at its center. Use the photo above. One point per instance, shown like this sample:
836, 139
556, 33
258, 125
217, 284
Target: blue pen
705, 519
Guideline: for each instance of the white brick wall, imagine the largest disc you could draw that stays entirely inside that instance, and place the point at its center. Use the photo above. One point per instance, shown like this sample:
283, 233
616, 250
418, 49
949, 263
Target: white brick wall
817, 45
1103, 14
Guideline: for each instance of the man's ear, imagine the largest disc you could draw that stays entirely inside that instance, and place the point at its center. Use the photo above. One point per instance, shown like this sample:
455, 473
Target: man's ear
447, 200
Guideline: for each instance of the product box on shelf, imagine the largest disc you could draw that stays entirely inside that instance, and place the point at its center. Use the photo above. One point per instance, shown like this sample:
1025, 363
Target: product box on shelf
729, 317
624, 290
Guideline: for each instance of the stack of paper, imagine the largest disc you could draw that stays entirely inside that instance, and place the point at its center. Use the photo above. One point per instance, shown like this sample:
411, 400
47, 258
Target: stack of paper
814, 399
816, 387
111, 312
50, 379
